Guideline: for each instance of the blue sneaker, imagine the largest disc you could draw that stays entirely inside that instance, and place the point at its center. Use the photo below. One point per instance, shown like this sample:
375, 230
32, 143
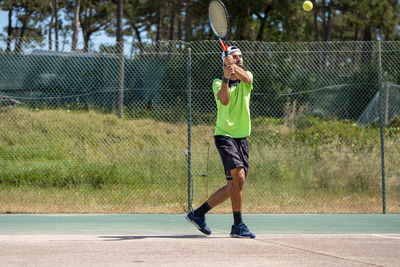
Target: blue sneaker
241, 231
199, 222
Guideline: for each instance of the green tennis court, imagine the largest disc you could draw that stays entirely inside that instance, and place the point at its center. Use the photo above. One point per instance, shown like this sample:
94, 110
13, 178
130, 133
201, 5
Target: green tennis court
167, 239
137, 224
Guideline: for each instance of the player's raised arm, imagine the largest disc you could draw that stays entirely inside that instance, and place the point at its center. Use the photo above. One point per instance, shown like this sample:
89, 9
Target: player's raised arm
235, 60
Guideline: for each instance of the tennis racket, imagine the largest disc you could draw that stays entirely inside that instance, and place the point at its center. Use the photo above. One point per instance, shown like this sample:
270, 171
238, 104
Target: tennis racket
218, 18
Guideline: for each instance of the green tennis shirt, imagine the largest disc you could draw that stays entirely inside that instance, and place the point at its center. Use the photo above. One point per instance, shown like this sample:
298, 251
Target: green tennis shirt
234, 119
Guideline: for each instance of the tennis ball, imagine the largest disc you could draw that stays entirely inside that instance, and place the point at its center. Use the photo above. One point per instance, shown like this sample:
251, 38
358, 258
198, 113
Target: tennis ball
307, 6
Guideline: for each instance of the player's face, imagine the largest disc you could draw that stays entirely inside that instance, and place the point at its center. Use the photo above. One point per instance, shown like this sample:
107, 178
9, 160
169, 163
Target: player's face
237, 56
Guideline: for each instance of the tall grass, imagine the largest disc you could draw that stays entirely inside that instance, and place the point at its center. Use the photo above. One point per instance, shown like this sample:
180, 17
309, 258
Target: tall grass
65, 161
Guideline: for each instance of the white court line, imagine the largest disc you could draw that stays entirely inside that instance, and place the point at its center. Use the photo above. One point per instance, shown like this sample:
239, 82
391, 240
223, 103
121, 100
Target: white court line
385, 236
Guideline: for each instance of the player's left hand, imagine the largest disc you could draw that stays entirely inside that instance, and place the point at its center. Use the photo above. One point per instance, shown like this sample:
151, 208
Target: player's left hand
229, 60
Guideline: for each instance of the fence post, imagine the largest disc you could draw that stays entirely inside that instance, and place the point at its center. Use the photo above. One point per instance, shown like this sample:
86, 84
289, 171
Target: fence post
120, 48
189, 122
382, 123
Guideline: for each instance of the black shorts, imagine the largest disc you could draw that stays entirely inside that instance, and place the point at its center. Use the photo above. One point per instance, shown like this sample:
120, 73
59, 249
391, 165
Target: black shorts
234, 153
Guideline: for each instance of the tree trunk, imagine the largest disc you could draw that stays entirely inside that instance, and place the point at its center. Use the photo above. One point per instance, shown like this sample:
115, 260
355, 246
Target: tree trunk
323, 15
367, 34
316, 24
18, 45
159, 24
179, 31
327, 21
51, 25
76, 25
119, 20
263, 21
86, 31
298, 34
56, 21
9, 30
388, 34
243, 31
356, 33
172, 26
137, 32
366, 47
188, 22
86, 38
330, 21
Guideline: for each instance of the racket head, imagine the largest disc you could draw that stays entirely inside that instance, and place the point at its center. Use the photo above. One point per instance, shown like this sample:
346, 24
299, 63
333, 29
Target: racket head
218, 18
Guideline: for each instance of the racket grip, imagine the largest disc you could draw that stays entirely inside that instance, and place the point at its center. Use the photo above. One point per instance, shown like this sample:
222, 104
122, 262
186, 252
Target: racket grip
224, 47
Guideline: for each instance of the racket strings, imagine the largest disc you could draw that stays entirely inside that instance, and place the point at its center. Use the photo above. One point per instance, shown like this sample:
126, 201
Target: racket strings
218, 19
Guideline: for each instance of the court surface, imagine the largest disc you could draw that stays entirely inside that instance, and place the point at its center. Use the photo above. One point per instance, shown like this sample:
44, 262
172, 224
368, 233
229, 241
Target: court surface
169, 240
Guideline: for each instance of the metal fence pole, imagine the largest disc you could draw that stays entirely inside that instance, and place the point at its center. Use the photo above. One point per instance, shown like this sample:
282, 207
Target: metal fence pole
189, 122
383, 170
382, 125
120, 47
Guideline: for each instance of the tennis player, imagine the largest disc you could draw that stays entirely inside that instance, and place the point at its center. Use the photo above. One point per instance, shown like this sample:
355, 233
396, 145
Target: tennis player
232, 95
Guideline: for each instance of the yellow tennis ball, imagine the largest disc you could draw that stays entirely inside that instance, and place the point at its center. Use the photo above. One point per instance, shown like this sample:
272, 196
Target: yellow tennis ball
307, 6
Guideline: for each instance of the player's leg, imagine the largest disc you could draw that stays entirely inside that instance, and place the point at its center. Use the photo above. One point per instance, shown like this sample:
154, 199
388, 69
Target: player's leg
238, 178
197, 217
220, 195
239, 229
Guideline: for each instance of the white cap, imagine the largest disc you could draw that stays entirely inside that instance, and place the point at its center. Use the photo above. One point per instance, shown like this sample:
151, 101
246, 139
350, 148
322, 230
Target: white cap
230, 50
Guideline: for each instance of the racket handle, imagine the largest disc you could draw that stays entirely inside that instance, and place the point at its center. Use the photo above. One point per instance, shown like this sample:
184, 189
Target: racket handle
224, 47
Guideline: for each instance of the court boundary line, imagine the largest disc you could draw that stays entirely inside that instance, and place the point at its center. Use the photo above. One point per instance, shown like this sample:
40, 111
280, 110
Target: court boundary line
385, 236
317, 252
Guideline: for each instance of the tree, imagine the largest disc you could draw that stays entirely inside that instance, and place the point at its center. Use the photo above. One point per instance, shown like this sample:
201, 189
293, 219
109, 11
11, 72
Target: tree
327, 19
120, 14
56, 21
188, 35
262, 16
25, 19
357, 20
262, 20
76, 24
136, 19
54, 16
26, 10
9, 6
94, 17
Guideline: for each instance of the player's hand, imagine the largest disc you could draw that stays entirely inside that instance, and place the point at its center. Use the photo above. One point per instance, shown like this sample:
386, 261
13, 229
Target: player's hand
229, 71
229, 60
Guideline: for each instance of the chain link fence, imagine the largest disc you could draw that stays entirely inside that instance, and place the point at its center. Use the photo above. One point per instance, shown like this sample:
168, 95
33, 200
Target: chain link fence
98, 132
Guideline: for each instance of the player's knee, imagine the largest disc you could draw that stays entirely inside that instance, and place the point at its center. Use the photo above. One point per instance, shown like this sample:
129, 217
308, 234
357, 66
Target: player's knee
238, 177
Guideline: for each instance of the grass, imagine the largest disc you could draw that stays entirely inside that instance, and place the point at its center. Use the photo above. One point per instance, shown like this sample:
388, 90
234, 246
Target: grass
71, 161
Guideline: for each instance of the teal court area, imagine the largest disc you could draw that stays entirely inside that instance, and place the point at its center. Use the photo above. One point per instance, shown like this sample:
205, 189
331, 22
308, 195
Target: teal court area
169, 240
110, 224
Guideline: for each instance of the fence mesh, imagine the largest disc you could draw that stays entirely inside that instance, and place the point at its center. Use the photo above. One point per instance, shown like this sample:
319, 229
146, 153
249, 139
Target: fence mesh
97, 132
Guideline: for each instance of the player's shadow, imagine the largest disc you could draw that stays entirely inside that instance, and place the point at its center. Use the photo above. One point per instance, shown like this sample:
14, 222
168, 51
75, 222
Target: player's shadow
136, 237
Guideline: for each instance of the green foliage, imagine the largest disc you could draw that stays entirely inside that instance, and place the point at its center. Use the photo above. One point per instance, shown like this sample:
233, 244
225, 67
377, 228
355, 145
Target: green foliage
80, 150
59, 174
38, 150
394, 122
272, 21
